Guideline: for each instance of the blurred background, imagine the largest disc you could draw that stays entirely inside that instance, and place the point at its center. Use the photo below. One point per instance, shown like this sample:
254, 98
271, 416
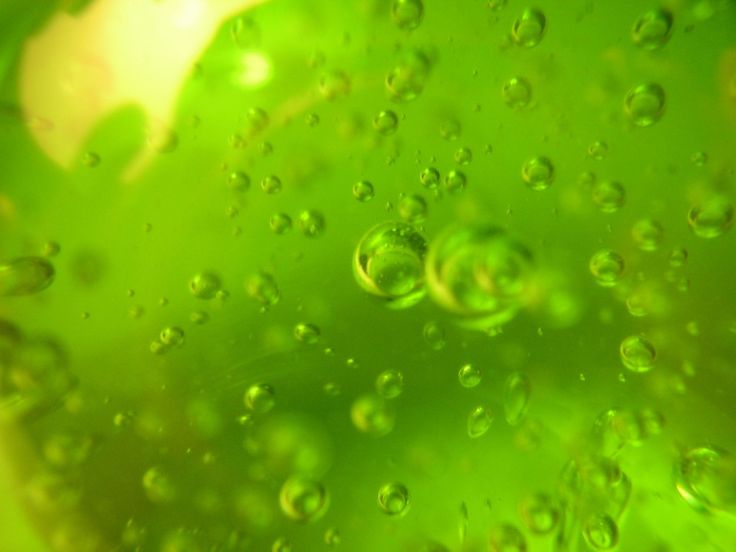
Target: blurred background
367, 275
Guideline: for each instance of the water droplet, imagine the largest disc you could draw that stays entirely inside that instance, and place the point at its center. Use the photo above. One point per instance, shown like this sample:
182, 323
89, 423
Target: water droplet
373, 415
540, 513
312, 119
271, 184
50, 249
303, 499
678, 257
306, 333
390, 384
607, 267
389, 263
259, 398
172, 336
393, 499
386, 123
538, 173
463, 156
652, 30
600, 532
205, 285
648, 234
157, 486
517, 92
280, 223
506, 538
699, 158
455, 181
91, 159
528, 29
332, 536
706, 479
479, 273
644, 104
637, 354
334, 85
712, 218
407, 79
25, 276
430, 178
434, 336
262, 287
598, 150
479, 421
199, 317
407, 14
413, 208
311, 223
238, 181
450, 128
281, 544
609, 196
516, 392
363, 191
469, 375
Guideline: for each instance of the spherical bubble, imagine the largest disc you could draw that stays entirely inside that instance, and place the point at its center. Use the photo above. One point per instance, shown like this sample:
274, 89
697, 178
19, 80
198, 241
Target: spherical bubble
506, 538
712, 218
373, 415
260, 398
479, 421
332, 536
652, 30
517, 92
450, 128
390, 384
334, 85
311, 223
51, 249
199, 317
306, 333
678, 257
648, 234
434, 336
271, 184
538, 173
413, 208
609, 196
706, 479
205, 285
540, 513
463, 156
455, 181
91, 159
699, 158
281, 544
393, 499
407, 79
157, 485
430, 178
363, 191
469, 375
262, 287
598, 150
607, 267
172, 336
407, 14
303, 499
479, 273
386, 122
528, 29
637, 354
25, 276
238, 181
280, 223
389, 263
644, 104
600, 532
516, 393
